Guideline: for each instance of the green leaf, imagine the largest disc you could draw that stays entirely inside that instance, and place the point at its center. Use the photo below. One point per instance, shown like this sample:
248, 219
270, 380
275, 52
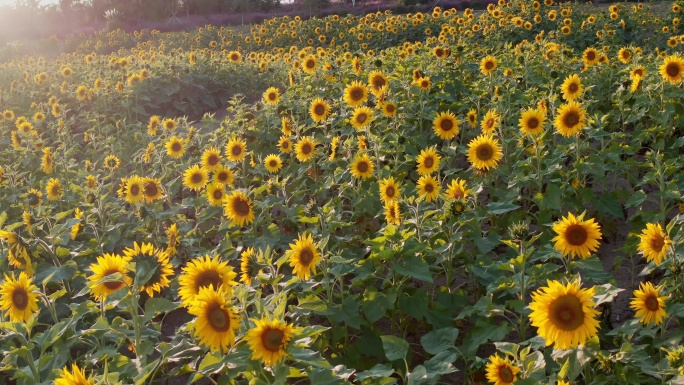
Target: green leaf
497, 208
636, 199
552, 197
154, 306
395, 347
439, 340
377, 371
609, 204
606, 293
414, 267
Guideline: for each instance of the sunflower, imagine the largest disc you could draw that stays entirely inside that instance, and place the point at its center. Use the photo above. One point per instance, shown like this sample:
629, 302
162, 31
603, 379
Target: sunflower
471, 116
458, 190
564, 314
170, 124
445, 125
355, 94
234, 56
488, 65
77, 376
286, 125
205, 272
389, 109
238, 208
590, 56
271, 96
285, 144
18, 297
648, 304
532, 122
501, 371
572, 87
175, 147
423, 83
268, 340
54, 189
377, 82
153, 125
146, 256
362, 167
490, 122
389, 190
303, 256
48, 161
34, 197
152, 189
195, 178
106, 265
636, 82
224, 176
428, 188
484, 152
236, 150
216, 321
215, 193
624, 55
18, 255
273, 163
393, 213
570, 119
111, 162
319, 110
653, 243
576, 236
672, 69
248, 266
305, 149
211, 159
637, 71
428, 161
361, 117
309, 64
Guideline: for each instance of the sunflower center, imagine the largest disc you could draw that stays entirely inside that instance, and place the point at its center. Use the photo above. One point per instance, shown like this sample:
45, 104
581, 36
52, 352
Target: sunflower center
390, 191
573, 87
356, 94
151, 189
576, 235
639, 72
206, 278
446, 125
651, 303
310, 64
234, 57
236, 150
389, 108
241, 207
379, 82
429, 188
218, 194
222, 176
272, 339
319, 109
566, 312
362, 167
272, 96
506, 374
429, 162
657, 242
112, 285
175, 147
218, 318
306, 149
571, 119
424, 84
484, 152
489, 65
196, 178
673, 70
533, 123
212, 160
361, 118
489, 123
306, 255
20, 298
591, 55
273, 163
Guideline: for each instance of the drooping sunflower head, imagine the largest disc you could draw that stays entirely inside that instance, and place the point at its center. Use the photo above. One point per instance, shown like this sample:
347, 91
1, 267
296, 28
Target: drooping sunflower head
532, 122
268, 340
576, 236
355, 94
570, 119
236, 150
106, 265
362, 167
393, 213
445, 125
564, 314
484, 152
319, 110
204, 272
34, 197
572, 87
672, 69
501, 371
238, 208
428, 161
488, 64
390, 191
649, 304
303, 256
18, 297
428, 188
654, 243
216, 320
361, 117
76, 376
249, 267
149, 258
273, 163
305, 149
153, 124
271, 96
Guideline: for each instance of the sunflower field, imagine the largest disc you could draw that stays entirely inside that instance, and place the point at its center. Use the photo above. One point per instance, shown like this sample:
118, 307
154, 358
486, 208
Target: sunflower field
453, 197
